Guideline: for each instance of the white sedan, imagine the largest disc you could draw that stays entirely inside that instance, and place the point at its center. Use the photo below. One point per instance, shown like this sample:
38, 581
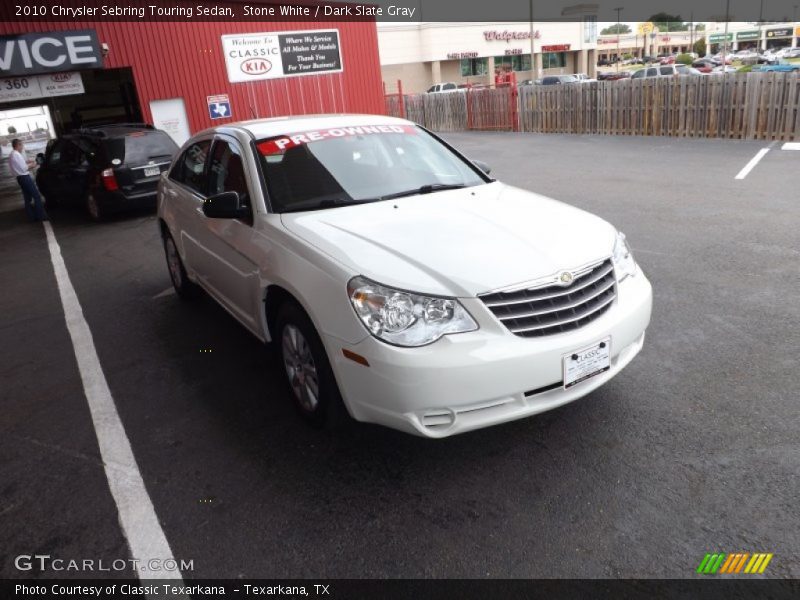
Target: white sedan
400, 283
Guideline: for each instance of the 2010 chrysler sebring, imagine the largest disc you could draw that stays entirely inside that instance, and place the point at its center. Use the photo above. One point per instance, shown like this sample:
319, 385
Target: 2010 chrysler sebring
398, 280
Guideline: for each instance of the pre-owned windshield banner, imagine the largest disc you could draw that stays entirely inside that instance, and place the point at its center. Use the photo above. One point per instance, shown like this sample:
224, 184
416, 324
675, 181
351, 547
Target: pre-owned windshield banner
282, 143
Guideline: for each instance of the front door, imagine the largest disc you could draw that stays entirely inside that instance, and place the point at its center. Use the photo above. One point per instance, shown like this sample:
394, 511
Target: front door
230, 267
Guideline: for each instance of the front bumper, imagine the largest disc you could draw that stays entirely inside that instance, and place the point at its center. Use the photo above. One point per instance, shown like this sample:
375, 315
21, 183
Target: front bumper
486, 377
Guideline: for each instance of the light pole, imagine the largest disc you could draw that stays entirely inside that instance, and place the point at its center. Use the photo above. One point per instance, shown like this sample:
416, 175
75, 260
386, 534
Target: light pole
619, 34
725, 36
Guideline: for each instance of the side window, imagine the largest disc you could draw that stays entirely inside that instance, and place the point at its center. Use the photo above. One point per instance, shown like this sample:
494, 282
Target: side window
652, 72
226, 171
54, 157
666, 70
71, 155
638, 74
190, 167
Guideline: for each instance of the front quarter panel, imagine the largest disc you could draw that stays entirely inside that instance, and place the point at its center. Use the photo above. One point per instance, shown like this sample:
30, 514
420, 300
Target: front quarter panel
318, 282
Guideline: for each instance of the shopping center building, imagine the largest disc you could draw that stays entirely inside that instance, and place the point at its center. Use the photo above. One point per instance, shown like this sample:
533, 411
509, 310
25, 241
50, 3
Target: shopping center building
743, 36
422, 54
650, 42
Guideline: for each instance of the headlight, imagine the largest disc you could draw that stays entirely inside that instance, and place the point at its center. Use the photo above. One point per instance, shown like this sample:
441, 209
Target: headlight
404, 318
624, 264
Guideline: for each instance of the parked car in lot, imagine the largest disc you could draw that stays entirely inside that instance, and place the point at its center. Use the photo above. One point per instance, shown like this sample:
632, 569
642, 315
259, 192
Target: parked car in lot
613, 75
704, 65
442, 87
665, 71
559, 79
717, 58
782, 67
584, 78
106, 169
396, 278
791, 53
720, 70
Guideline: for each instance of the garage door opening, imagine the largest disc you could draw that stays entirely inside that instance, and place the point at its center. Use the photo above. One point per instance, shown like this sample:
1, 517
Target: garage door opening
40, 108
34, 126
78, 99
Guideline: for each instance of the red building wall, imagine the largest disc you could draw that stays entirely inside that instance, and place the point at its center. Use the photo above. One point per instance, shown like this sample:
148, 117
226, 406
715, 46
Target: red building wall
184, 59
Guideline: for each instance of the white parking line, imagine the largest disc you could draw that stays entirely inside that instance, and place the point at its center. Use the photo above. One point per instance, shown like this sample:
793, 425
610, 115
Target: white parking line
791, 146
753, 162
137, 516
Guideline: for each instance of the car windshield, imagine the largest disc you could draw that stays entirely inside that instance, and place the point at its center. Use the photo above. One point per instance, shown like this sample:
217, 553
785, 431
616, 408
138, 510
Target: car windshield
352, 165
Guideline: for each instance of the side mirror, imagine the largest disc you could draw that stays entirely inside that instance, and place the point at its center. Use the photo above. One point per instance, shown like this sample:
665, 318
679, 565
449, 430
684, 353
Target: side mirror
482, 166
227, 205
40, 159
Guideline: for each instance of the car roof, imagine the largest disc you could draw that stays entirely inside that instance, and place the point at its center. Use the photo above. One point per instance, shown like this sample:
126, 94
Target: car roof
270, 127
111, 132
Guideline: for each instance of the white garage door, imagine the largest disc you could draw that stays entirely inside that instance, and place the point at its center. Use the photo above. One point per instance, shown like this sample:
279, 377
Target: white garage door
170, 115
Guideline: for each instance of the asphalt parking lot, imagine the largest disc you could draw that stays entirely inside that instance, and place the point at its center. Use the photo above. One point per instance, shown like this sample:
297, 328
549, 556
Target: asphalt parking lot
693, 448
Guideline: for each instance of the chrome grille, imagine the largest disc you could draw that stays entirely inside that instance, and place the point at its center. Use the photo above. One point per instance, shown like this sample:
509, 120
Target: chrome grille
551, 309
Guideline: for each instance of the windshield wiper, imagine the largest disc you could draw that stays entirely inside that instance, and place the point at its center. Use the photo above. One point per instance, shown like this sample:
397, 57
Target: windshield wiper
425, 189
327, 203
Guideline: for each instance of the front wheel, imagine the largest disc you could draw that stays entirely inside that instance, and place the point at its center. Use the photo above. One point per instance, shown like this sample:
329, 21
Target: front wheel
185, 288
308, 371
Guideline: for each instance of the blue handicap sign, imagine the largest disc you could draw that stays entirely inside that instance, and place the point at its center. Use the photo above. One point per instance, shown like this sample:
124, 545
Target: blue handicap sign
219, 110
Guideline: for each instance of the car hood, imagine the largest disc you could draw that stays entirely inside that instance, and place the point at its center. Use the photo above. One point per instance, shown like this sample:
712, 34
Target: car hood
457, 242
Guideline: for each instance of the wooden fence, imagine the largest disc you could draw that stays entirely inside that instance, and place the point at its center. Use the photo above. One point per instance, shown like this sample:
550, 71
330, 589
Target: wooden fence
741, 106
438, 112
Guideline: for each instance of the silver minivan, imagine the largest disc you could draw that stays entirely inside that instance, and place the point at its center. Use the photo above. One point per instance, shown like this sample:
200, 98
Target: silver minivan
665, 71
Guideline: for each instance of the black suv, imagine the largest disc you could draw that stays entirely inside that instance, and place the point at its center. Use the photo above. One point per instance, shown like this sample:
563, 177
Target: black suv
107, 168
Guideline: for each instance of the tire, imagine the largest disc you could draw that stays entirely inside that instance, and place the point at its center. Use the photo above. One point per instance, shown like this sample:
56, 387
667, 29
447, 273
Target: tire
309, 376
93, 208
184, 287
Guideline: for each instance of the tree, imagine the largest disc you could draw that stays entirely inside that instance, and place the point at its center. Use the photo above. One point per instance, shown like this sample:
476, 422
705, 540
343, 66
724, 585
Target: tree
667, 22
616, 28
12, 130
700, 47
684, 59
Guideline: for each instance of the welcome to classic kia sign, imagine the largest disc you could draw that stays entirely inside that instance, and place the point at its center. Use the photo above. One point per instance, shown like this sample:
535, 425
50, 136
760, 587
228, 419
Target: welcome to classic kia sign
256, 56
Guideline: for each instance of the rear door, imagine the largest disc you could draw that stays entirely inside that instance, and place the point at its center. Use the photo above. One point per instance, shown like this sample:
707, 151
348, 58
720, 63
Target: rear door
142, 156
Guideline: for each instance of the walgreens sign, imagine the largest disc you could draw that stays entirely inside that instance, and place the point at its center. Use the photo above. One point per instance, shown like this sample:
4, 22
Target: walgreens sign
507, 36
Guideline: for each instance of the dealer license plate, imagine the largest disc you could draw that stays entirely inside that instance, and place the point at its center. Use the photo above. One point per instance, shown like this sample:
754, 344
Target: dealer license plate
151, 171
587, 362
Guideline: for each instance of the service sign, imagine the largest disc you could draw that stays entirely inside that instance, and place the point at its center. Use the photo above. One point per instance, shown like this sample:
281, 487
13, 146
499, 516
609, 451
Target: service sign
31, 53
257, 56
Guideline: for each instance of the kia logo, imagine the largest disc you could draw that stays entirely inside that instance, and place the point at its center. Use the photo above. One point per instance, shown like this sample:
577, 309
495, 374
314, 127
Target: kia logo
256, 66
61, 77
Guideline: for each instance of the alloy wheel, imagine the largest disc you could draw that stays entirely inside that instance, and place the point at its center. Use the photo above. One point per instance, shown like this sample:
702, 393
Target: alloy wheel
300, 368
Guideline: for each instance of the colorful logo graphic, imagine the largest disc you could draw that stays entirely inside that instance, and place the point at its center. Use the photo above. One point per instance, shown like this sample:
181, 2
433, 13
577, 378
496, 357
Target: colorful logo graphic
738, 562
